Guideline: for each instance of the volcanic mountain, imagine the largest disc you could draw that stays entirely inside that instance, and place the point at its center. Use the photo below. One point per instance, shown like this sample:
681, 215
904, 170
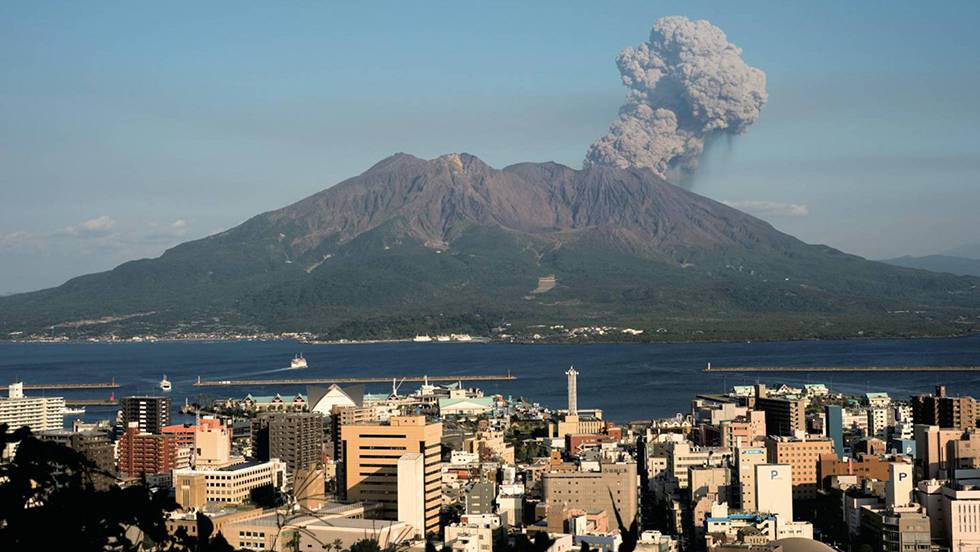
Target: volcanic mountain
450, 244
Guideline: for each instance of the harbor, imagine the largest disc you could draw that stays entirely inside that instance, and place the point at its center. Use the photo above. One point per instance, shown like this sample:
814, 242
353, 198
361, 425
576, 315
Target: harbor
327, 381
806, 369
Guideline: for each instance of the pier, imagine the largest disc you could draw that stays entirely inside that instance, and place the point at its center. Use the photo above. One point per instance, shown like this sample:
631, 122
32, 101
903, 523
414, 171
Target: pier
327, 381
66, 386
803, 369
90, 402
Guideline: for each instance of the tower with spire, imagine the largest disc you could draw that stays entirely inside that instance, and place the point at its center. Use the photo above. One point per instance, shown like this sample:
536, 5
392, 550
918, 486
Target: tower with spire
572, 391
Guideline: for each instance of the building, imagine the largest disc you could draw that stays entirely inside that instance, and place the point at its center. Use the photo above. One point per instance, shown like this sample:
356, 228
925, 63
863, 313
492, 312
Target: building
834, 424
344, 524
480, 498
863, 467
411, 491
296, 438
932, 449
94, 446
37, 413
324, 399
465, 406
774, 490
474, 534
944, 411
194, 488
209, 442
371, 453
803, 455
784, 415
746, 459
613, 486
150, 414
143, 454
744, 430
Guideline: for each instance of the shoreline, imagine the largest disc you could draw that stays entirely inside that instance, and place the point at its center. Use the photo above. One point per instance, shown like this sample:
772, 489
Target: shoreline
481, 340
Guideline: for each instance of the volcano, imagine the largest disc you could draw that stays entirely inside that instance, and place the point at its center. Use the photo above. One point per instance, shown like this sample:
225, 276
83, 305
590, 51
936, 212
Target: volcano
451, 244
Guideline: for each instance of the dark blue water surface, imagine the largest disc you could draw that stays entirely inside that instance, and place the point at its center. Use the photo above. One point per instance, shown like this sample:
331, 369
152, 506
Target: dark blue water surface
627, 381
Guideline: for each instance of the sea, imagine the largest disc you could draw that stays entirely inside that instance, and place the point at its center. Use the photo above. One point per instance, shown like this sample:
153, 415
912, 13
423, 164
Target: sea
627, 381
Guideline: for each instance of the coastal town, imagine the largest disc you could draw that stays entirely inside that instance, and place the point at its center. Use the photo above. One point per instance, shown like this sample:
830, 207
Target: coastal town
448, 467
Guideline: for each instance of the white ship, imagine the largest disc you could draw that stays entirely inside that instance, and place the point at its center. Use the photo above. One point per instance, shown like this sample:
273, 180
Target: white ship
69, 411
422, 339
165, 384
298, 362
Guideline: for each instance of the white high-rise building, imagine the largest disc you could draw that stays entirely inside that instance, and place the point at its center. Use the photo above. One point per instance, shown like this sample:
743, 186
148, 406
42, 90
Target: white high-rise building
898, 492
37, 413
774, 490
411, 491
572, 391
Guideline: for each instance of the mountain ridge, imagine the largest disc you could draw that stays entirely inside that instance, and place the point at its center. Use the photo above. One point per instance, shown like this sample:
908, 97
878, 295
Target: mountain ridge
414, 245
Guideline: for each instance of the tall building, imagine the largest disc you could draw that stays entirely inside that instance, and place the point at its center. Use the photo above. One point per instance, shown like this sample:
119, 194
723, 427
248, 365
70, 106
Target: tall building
834, 422
479, 498
784, 416
296, 438
932, 449
411, 491
142, 453
572, 391
746, 459
371, 454
94, 446
899, 490
943, 411
37, 413
803, 455
774, 490
151, 414
614, 485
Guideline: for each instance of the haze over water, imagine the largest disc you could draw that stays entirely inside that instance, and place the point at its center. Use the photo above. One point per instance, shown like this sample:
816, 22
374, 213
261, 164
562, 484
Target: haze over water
627, 381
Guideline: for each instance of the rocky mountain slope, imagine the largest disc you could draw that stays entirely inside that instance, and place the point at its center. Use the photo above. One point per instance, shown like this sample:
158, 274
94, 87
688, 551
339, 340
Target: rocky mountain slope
451, 244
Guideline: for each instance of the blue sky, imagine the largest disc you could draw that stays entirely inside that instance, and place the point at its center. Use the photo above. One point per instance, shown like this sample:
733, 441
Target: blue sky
126, 128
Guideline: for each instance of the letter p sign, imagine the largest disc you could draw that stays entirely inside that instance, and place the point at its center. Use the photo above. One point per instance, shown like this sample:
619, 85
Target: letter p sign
773, 474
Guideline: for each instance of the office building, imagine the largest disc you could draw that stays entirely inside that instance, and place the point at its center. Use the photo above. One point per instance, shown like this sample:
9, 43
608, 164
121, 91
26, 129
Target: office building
803, 455
932, 449
411, 491
94, 446
228, 485
944, 411
371, 453
774, 490
834, 424
479, 497
150, 414
784, 416
296, 438
746, 459
614, 485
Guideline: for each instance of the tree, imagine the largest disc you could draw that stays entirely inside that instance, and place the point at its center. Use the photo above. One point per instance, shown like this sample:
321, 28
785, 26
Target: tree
48, 501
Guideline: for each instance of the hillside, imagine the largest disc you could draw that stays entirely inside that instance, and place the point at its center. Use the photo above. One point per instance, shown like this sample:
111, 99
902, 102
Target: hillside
962, 266
451, 244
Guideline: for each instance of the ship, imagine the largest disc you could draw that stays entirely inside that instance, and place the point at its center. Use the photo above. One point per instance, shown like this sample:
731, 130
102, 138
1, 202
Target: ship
165, 384
69, 411
298, 362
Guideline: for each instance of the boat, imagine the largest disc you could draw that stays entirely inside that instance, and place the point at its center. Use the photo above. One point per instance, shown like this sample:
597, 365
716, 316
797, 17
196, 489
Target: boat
69, 411
422, 339
165, 384
298, 362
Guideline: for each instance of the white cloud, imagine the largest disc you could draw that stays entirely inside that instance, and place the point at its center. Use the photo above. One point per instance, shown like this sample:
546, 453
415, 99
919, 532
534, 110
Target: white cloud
98, 226
770, 208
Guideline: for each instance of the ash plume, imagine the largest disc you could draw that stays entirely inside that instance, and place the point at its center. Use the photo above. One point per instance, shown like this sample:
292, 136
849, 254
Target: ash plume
687, 84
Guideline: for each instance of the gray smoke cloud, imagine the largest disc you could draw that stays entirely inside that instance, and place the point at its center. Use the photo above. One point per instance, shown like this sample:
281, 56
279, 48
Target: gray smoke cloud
687, 84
